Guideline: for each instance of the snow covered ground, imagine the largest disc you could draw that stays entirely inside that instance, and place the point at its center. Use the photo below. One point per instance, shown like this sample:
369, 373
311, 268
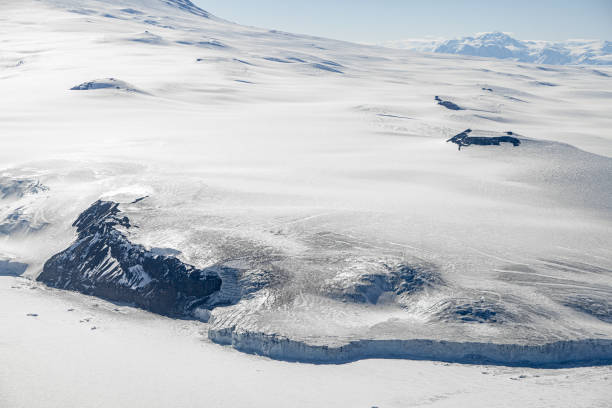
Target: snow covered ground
134, 358
318, 172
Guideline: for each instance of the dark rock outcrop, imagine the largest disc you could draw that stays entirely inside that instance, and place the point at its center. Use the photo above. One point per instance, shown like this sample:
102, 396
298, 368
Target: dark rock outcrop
324, 67
464, 139
479, 311
401, 280
104, 263
448, 104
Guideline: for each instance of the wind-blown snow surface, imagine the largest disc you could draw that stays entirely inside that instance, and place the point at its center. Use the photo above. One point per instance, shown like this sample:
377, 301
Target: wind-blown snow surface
319, 172
502, 45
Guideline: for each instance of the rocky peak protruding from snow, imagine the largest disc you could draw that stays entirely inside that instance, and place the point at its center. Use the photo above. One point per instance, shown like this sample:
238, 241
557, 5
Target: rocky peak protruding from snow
103, 262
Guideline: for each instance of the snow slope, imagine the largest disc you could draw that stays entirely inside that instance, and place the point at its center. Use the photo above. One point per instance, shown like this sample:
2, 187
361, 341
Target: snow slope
317, 175
503, 46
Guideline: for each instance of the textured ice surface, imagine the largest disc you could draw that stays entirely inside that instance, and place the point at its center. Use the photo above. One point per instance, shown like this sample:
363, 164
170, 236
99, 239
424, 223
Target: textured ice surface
328, 203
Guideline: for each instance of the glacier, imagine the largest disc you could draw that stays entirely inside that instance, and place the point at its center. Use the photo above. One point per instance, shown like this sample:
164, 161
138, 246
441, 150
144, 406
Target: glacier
298, 193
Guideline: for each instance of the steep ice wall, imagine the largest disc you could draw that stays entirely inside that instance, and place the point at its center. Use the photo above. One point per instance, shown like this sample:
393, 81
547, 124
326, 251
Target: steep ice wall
559, 353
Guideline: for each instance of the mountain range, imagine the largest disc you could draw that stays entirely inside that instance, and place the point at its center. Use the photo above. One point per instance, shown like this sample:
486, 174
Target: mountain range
503, 46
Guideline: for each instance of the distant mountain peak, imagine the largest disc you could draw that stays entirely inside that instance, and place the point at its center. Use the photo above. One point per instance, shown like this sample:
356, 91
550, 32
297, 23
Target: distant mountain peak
494, 36
497, 44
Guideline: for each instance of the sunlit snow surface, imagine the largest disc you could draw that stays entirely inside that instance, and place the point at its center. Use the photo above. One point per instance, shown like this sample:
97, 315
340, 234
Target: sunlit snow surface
137, 359
313, 167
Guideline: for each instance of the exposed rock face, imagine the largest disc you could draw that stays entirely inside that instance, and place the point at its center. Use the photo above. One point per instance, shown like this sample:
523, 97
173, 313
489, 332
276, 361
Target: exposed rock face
447, 104
464, 139
104, 263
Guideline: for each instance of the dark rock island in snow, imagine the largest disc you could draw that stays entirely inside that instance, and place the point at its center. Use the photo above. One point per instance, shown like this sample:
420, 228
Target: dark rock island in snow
447, 104
464, 139
103, 262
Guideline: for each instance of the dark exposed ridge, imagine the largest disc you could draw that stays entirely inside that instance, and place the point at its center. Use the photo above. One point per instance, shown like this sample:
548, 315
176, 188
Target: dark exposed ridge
447, 104
463, 139
326, 68
104, 263
189, 7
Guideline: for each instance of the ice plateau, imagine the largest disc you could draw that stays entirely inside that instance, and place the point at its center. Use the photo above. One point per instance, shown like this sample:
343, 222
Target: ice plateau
298, 194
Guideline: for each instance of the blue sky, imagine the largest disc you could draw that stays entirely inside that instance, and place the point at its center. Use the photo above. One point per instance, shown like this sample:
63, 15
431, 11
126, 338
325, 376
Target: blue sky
380, 20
